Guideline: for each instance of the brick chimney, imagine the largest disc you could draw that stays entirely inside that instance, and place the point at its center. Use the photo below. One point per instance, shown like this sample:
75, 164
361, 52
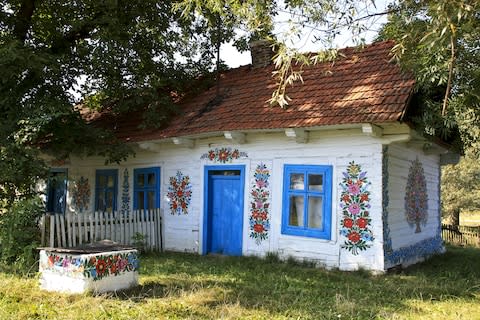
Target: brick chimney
262, 53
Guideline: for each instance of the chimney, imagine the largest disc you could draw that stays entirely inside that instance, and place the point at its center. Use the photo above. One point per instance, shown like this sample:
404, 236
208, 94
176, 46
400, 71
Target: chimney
262, 53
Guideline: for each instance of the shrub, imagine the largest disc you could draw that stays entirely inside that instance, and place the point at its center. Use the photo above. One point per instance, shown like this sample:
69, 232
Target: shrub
20, 234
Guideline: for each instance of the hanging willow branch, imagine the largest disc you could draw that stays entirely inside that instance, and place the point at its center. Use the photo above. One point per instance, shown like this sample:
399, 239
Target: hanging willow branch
450, 73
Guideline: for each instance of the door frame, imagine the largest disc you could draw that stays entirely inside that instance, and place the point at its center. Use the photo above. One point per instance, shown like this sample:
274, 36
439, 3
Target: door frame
206, 191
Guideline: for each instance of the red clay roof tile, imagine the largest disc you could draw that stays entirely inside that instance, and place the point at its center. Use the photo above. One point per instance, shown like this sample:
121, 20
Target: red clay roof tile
363, 86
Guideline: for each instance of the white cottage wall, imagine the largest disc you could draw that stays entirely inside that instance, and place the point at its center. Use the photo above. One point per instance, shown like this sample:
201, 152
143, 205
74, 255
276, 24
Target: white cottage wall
336, 148
404, 245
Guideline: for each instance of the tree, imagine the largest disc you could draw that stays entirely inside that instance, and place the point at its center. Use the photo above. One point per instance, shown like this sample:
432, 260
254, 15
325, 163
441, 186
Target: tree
438, 41
117, 55
460, 188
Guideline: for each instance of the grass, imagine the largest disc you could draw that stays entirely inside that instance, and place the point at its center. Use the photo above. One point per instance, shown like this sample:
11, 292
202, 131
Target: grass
187, 286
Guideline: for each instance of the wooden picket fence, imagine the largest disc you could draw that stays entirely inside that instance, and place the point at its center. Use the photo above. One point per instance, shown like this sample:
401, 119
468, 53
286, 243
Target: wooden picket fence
461, 235
138, 227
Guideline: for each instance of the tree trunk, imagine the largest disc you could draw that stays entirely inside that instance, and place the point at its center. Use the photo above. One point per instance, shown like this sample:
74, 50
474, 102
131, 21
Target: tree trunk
455, 217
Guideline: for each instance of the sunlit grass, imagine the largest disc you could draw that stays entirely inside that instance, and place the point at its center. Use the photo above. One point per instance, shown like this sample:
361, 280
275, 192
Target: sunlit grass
186, 286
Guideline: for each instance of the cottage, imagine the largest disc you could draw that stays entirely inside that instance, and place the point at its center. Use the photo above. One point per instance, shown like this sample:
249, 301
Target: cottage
340, 177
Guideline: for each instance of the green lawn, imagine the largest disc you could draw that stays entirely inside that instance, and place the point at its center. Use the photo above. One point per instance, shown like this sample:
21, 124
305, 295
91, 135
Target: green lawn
185, 286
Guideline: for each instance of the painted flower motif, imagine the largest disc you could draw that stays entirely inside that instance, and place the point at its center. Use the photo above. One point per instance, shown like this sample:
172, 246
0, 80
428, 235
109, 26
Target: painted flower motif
101, 267
179, 193
125, 193
354, 189
259, 215
223, 155
354, 208
361, 223
354, 203
416, 198
348, 223
258, 228
354, 237
81, 194
110, 265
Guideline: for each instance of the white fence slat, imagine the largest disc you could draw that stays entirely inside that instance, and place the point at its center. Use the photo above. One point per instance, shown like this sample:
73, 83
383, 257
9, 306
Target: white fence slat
120, 227
62, 230
52, 231
151, 223
68, 229
90, 228
72, 229
57, 227
85, 228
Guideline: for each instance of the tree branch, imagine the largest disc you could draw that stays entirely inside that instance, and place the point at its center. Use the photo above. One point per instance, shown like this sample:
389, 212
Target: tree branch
24, 19
82, 32
450, 75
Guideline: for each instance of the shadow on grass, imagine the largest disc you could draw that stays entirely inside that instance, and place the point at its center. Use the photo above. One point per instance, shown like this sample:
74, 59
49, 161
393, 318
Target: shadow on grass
298, 291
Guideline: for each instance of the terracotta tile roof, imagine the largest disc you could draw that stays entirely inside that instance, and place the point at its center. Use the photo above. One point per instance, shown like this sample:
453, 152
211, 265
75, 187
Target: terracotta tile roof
362, 87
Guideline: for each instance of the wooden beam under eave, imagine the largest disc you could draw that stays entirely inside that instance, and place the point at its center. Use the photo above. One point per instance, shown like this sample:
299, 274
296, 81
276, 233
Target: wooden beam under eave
149, 146
184, 142
372, 130
299, 134
235, 136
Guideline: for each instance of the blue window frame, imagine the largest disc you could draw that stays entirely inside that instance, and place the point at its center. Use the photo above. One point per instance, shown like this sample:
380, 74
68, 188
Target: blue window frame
307, 201
146, 188
57, 191
106, 189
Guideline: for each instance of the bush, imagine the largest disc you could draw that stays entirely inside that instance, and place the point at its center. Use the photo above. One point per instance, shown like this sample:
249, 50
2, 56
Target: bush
20, 234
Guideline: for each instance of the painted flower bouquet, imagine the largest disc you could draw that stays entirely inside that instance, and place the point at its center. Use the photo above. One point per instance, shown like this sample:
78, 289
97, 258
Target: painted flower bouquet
354, 202
259, 206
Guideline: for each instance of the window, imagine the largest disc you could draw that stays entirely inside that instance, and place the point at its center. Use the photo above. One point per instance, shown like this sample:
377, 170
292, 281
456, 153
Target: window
57, 191
106, 190
146, 189
307, 201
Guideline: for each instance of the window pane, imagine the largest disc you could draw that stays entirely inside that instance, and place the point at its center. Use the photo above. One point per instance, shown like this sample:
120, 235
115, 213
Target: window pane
297, 181
151, 179
295, 217
141, 180
315, 182
110, 182
101, 201
315, 212
141, 204
109, 202
151, 199
102, 181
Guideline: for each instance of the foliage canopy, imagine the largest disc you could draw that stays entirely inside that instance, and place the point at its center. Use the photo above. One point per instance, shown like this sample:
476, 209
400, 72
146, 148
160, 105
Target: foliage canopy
131, 55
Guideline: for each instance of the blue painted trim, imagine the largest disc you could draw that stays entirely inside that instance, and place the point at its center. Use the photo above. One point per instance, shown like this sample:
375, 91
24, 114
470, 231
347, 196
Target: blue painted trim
326, 194
416, 252
136, 188
106, 173
206, 198
64, 206
387, 241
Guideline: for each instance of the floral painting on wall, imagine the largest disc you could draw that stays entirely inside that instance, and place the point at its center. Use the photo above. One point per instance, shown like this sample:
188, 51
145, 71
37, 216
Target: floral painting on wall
223, 155
81, 194
416, 199
259, 206
179, 193
354, 202
125, 194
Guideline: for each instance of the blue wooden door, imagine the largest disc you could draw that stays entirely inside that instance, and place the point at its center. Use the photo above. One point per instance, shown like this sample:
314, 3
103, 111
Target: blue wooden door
225, 210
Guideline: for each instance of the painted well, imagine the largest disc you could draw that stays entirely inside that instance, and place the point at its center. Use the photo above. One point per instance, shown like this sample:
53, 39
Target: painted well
79, 272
